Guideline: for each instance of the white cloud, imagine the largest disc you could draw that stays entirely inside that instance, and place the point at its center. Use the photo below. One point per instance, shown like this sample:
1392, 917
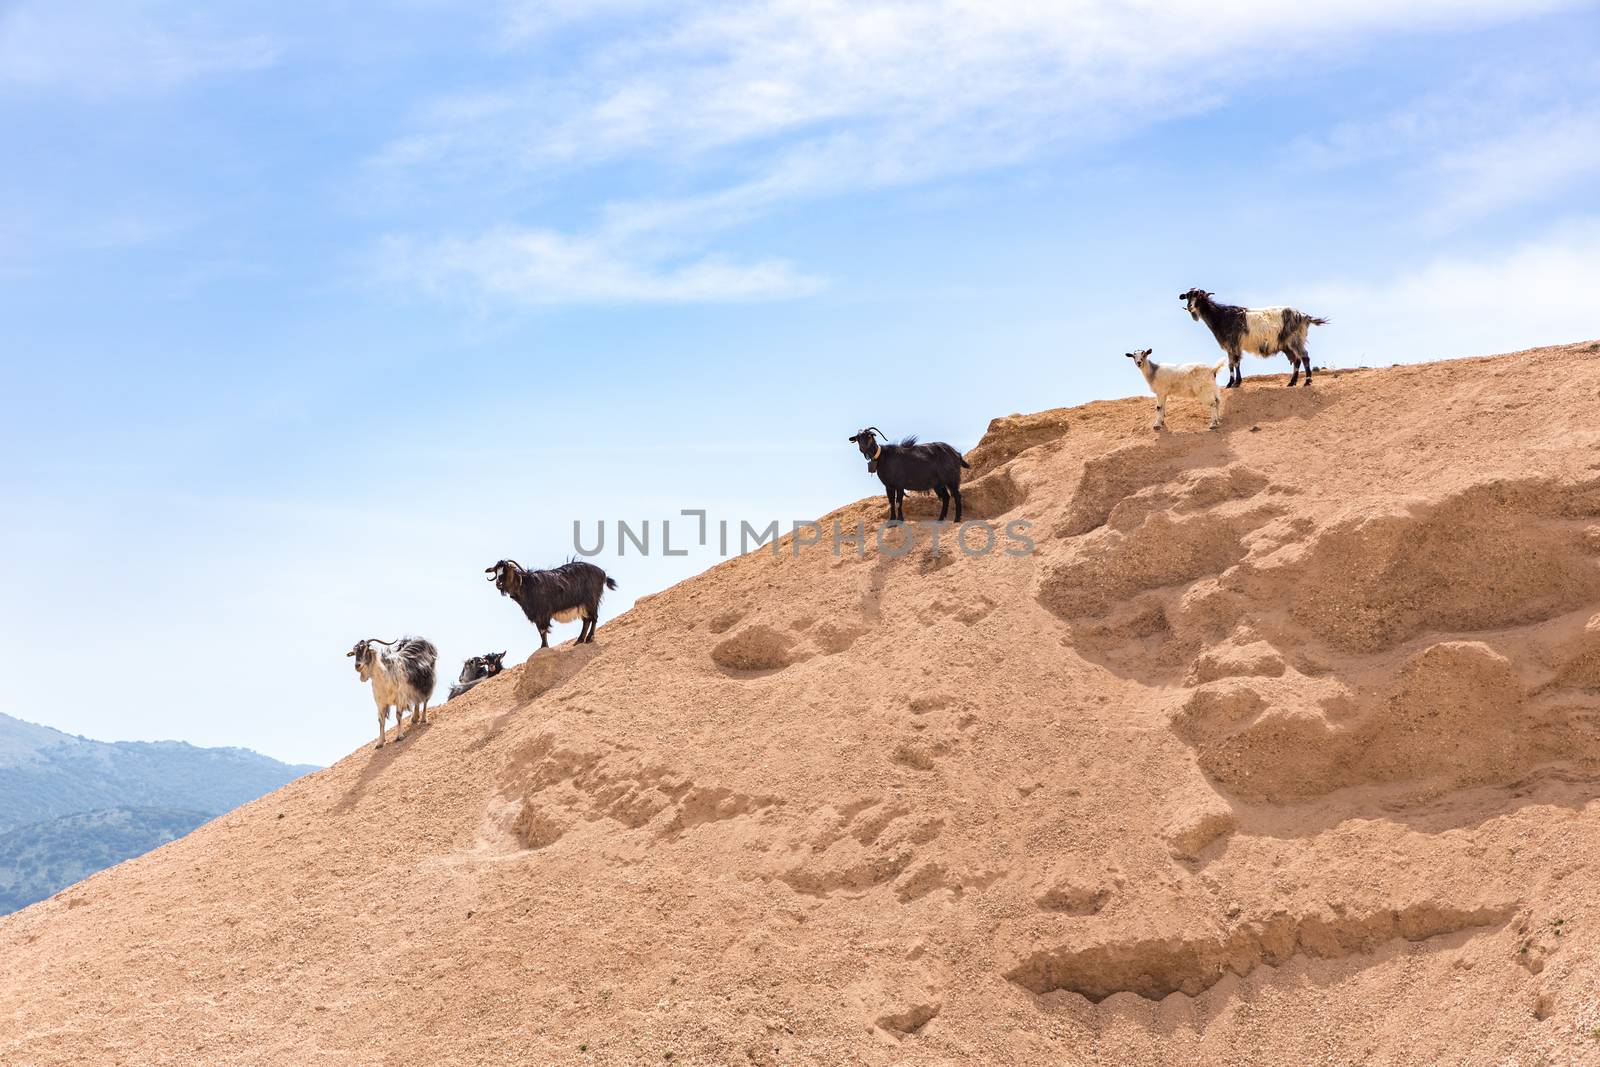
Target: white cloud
525, 20
102, 48
1544, 155
693, 77
1487, 143
817, 98
530, 267
1537, 293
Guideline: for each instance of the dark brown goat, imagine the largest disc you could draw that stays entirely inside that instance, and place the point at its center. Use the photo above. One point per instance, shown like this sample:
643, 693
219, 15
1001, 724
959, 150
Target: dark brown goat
570, 591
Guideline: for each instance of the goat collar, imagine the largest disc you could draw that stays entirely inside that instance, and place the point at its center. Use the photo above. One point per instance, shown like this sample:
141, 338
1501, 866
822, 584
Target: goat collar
878, 449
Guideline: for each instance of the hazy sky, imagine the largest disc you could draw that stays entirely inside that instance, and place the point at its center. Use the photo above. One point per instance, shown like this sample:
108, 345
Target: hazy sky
310, 312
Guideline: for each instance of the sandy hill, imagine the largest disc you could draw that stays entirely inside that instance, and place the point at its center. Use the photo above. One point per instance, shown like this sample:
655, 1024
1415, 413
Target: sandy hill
1282, 748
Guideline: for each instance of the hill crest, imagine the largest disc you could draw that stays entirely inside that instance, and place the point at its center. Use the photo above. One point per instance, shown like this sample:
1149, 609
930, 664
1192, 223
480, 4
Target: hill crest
1281, 747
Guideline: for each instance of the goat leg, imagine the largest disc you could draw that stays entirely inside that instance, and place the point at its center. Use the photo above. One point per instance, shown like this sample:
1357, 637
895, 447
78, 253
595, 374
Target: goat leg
955, 490
383, 724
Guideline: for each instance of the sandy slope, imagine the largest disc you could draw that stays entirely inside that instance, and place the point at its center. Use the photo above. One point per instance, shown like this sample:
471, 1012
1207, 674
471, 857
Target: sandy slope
1283, 748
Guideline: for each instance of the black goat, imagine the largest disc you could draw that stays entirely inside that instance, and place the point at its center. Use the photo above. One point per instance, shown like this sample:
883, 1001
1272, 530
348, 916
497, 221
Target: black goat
570, 591
476, 670
934, 467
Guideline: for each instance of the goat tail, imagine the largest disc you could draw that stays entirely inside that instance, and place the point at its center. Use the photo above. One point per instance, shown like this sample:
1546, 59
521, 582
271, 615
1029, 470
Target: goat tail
611, 583
1313, 320
1223, 362
964, 462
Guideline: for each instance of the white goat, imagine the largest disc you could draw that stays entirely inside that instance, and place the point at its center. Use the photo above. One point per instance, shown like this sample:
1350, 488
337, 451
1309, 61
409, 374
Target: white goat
1197, 380
401, 676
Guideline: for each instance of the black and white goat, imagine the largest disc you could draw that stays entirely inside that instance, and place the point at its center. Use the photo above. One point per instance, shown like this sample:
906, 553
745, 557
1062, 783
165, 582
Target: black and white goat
476, 670
570, 591
1197, 380
1260, 331
401, 673
934, 467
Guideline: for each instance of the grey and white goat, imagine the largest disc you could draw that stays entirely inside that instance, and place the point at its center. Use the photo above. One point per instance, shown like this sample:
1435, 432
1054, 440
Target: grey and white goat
1260, 331
476, 670
402, 675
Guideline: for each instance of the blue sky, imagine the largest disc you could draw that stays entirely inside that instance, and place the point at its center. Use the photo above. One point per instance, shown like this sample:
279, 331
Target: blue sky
308, 313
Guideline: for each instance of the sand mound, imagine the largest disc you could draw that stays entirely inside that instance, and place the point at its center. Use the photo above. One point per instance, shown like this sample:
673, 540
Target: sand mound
1283, 746
1155, 969
1456, 715
1494, 554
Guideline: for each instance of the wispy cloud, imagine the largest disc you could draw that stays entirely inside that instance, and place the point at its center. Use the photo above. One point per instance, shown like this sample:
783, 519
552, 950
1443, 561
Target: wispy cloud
775, 102
100, 48
1544, 155
1538, 292
1489, 142
693, 77
530, 267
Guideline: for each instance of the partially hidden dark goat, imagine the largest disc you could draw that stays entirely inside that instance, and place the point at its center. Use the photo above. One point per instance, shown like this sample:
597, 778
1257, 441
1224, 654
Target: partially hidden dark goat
934, 467
476, 670
1260, 331
401, 673
570, 591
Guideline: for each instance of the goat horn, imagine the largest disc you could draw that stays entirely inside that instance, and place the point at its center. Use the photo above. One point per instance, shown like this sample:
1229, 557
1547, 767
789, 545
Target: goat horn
375, 641
877, 431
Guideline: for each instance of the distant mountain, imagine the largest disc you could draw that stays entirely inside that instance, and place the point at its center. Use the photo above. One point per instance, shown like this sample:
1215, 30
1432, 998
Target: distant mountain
45, 857
45, 773
70, 806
